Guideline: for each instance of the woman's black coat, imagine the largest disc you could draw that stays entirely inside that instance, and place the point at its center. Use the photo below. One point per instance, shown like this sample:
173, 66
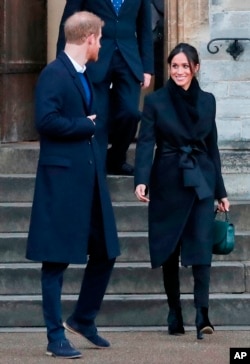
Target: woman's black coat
183, 176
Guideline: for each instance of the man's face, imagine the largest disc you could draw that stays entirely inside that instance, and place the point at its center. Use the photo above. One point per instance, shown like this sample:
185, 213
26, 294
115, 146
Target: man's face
94, 47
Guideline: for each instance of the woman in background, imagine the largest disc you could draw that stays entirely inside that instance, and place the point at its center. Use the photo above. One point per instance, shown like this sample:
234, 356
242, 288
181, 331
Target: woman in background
183, 178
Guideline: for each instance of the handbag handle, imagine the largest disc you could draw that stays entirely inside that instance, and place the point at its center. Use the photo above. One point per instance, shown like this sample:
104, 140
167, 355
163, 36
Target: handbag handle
225, 212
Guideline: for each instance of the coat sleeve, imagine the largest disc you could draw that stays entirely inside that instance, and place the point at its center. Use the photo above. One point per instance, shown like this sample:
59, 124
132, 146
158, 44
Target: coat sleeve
53, 118
145, 145
145, 37
213, 151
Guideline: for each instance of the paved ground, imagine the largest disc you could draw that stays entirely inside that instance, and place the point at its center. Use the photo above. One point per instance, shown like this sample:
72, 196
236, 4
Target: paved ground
128, 347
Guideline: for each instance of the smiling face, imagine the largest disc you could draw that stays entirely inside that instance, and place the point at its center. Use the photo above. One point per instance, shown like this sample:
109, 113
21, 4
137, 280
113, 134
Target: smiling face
181, 71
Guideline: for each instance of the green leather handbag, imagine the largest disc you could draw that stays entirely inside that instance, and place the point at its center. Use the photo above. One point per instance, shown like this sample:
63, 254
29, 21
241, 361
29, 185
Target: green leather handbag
224, 235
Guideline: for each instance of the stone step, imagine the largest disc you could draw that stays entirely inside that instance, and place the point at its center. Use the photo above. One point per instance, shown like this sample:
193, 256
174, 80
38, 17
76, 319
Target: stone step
129, 310
135, 295
127, 278
134, 248
233, 160
130, 216
20, 188
19, 157
235, 167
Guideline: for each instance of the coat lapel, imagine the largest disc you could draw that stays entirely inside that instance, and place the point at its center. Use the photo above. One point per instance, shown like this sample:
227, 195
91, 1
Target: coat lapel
76, 79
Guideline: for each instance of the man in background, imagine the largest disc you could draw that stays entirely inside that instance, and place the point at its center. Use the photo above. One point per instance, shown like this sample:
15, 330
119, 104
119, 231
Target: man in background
124, 67
157, 7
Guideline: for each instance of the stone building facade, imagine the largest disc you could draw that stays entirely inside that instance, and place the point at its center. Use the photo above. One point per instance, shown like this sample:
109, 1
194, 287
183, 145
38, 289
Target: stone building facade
195, 21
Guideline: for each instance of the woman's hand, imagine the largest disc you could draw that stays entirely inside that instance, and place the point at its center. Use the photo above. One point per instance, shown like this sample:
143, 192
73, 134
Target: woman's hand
223, 205
140, 193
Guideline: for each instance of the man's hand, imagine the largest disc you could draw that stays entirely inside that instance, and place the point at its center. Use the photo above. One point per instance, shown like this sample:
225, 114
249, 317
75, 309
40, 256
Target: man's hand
146, 81
92, 118
140, 193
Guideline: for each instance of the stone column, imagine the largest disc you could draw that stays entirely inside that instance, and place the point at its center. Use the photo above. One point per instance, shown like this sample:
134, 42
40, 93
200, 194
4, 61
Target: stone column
173, 21
186, 21
55, 9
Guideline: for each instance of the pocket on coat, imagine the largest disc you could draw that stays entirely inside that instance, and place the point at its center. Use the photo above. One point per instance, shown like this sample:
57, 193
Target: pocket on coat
54, 161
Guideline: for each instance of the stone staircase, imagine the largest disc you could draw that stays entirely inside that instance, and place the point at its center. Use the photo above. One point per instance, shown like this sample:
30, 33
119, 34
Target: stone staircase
135, 296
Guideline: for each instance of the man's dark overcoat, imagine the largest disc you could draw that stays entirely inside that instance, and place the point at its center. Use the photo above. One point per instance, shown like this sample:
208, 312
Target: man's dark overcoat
69, 173
183, 180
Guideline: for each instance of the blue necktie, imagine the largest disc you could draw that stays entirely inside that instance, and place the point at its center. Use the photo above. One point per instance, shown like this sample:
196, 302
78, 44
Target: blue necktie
85, 86
117, 4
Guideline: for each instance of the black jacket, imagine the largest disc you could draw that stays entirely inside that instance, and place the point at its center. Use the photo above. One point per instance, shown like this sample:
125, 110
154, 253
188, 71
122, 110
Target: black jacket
130, 31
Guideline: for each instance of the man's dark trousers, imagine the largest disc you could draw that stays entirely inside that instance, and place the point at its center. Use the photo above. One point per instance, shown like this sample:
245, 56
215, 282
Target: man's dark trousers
118, 111
95, 280
94, 284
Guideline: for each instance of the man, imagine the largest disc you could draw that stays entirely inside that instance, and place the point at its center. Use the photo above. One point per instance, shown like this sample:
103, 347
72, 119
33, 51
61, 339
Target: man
157, 7
72, 215
124, 66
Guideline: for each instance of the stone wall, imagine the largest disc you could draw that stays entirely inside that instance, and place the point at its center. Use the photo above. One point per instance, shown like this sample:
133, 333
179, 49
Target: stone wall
55, 9
186, 20
229, 79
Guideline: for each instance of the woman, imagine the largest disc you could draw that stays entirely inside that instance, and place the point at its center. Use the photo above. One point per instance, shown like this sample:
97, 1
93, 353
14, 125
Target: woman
183, 177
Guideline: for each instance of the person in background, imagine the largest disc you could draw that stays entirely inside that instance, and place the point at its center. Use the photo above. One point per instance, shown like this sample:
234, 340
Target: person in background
124, 67
157, 7
72, 217
182, 180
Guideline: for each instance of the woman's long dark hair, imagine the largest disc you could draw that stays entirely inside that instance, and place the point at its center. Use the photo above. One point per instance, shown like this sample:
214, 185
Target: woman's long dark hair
189, 51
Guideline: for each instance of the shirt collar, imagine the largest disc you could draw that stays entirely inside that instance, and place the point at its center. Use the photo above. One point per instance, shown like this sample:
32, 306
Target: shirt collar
76, 65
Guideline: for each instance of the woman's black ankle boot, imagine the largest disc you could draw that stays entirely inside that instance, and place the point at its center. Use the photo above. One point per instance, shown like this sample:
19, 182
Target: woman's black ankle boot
175, 322
203, 325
